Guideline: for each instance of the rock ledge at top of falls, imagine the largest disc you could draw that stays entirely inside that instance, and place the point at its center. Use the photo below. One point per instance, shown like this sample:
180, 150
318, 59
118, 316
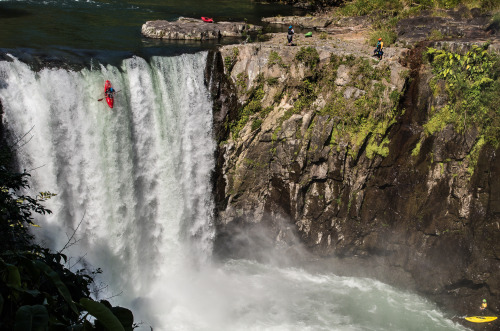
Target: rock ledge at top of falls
195, 29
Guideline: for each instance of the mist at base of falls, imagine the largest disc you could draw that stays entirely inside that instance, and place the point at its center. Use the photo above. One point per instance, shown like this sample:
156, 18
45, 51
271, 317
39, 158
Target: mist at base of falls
133, 184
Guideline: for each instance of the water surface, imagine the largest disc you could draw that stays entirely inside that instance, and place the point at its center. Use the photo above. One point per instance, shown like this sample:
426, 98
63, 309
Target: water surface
115, 25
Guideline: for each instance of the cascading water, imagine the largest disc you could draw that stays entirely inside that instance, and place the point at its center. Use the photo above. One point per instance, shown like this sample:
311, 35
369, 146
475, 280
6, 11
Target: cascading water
135, 181
137, 177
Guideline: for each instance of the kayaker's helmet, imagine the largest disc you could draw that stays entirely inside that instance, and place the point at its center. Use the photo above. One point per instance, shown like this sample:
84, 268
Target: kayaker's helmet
484, 300
290, 27
379, 39
107, 82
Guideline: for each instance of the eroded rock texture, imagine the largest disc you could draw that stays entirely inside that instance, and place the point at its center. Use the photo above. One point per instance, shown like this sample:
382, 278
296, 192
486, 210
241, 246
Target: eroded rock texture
195, 29
327, 149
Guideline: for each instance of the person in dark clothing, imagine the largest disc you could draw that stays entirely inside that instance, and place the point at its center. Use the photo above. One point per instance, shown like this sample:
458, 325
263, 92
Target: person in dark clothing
378, 52
110, 92
290, 35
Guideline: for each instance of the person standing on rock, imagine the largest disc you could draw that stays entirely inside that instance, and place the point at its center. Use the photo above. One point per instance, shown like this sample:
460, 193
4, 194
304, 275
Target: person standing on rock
378, 52
484, 305
290, 35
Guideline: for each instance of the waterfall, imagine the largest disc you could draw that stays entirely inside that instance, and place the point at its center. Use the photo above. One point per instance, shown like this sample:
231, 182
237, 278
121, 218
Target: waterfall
134, 182
135, 179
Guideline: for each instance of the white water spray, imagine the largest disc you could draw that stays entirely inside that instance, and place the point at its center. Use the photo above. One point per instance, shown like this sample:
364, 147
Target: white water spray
137, 178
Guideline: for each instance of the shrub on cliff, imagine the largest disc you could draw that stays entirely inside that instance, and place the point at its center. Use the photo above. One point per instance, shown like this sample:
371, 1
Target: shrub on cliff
308, 56
471, 83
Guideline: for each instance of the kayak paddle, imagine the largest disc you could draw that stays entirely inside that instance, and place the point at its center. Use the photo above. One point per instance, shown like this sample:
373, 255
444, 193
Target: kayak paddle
105, 97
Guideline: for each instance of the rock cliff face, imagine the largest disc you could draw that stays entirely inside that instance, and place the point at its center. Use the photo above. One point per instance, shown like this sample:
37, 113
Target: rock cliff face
325, 147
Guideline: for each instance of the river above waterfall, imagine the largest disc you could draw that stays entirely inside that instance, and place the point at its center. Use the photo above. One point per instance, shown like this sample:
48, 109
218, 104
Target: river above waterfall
87, 26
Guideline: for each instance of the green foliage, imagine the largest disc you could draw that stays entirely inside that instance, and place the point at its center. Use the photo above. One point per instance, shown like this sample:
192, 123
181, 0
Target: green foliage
275, 58
416, 150
474, 154
495, 20
387, 34
241, 80
373, 148
472, 82
364, 120
256, 124
436, 35
103, 314
448, 4
37, 291
271, 81
308, 56
230, 60
365, 73
252, 106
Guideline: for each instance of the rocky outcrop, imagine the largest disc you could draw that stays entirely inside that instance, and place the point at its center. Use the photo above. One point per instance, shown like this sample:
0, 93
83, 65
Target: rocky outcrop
309, 4
307, 22
464, 23
327, 149
196, 29
326, 22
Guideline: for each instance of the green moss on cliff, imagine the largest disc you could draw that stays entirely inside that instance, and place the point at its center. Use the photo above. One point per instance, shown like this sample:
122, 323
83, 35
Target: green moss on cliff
251, 107
275, 58
308, 56
362, 108
230, 60
471, 82
366, 112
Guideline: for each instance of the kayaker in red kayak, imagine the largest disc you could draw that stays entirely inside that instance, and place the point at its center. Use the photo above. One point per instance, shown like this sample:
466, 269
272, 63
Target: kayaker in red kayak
109, 93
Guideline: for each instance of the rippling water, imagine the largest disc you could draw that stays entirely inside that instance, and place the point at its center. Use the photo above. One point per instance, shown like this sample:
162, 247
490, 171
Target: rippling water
113, 24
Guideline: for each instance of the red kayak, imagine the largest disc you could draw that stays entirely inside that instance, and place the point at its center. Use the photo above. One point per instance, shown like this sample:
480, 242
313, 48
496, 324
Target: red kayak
207, 19
109, 97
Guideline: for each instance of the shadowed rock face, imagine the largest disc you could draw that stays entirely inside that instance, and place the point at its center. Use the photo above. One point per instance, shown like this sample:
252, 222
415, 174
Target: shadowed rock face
464, 23
415, 220
308, 4
195, 29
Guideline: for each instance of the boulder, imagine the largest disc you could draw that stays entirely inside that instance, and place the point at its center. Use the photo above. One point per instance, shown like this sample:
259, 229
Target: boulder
195, 29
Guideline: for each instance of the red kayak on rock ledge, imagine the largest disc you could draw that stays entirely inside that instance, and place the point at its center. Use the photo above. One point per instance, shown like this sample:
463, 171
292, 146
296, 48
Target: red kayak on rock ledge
207, 19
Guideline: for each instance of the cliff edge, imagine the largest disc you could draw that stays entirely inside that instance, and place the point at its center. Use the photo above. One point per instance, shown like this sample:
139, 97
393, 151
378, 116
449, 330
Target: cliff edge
360, 162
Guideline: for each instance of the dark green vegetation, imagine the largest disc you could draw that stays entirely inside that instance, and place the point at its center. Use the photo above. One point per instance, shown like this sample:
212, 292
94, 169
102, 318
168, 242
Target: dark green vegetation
362, 119
230, 61
471, 82
37, 290
253, 106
